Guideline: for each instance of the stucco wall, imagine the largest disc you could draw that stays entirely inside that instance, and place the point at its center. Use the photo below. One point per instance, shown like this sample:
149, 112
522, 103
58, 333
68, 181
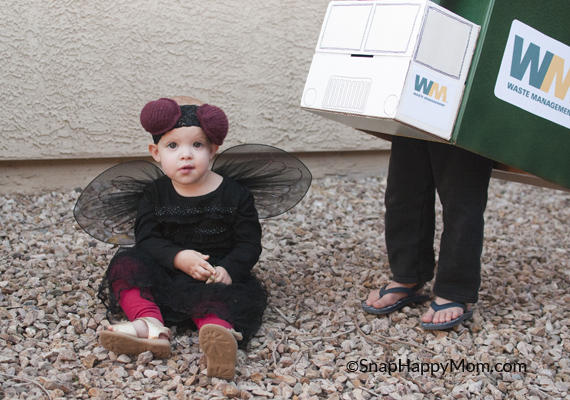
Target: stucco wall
75, 74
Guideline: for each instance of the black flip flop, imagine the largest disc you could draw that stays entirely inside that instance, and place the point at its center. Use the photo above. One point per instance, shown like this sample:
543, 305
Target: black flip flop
411, 297
446, 325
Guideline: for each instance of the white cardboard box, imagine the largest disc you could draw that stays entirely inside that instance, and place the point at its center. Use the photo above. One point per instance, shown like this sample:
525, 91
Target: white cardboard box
391, 66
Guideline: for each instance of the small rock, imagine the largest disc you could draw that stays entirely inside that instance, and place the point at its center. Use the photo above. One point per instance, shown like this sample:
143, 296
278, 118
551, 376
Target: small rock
144, 358
256, 377
231, 392
149, 373
89, 361
67, 355
96, 393
298, 389
288, 379
124, 359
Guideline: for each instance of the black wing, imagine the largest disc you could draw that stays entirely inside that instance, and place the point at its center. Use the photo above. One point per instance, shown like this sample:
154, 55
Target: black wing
278, 180
107, 208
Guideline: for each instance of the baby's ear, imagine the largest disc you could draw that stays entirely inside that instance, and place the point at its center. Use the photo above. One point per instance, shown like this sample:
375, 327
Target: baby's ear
153, 150
213, 150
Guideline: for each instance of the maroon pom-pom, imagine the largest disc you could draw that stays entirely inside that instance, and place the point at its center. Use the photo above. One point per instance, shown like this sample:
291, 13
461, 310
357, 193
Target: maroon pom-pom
160, 116
214, 122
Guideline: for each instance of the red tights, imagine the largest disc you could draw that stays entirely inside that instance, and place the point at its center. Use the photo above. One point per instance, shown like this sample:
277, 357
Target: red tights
136, 306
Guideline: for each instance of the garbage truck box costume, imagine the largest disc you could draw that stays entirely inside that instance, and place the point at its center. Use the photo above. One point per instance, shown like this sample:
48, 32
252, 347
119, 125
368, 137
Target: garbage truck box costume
492, 77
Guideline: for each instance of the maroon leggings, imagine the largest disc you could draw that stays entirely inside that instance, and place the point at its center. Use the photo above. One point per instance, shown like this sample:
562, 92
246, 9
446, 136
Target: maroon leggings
135, 306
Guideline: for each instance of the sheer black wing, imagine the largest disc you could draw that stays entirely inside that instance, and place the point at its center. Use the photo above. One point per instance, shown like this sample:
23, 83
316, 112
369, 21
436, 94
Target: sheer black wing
278, 180
107, 208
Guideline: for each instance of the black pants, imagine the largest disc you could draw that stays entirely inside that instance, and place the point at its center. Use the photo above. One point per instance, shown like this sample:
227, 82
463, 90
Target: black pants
417, 169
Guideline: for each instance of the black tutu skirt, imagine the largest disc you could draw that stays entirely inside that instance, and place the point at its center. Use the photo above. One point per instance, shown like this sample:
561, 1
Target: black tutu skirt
181, 297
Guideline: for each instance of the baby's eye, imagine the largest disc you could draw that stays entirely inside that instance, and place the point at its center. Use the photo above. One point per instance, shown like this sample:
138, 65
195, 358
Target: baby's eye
198, 144
171, 145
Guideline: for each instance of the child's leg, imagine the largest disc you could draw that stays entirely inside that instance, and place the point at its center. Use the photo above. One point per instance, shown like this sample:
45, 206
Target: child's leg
211, 319
136, 306
218, 343
462, 180
410, 225
145, 329
220, 347
145, 332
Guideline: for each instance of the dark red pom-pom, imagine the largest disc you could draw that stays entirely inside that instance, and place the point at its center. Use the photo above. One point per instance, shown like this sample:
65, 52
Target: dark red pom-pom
214, 122
160, 116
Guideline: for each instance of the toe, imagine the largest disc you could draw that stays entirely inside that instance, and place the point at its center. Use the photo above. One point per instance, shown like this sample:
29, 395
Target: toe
453, 314
380, 303
373, 297
388, 299
428, 316
445, 316
442, 316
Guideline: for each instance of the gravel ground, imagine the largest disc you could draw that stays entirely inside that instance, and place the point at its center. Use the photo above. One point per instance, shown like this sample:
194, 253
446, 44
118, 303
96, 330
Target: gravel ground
319, 261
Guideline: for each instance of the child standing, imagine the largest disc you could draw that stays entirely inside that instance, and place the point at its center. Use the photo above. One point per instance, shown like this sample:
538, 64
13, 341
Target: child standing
418, 170
197, 238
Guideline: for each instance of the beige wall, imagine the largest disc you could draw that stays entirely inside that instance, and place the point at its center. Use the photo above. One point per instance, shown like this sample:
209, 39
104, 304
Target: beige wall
29, 177
75, 74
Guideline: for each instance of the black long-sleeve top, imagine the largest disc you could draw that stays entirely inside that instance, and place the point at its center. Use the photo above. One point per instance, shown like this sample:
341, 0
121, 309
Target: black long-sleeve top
222, 224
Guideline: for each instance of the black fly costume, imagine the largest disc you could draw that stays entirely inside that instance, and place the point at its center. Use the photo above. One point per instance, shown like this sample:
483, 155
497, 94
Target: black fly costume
134, 204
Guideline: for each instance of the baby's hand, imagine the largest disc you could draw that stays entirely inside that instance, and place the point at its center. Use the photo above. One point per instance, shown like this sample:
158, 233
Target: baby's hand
221, 275
194, 264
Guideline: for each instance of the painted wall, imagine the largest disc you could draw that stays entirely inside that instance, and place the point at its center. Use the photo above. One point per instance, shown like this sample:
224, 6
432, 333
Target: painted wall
75, 74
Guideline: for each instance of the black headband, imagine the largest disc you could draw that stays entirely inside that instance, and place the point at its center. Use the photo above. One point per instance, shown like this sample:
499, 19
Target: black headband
187, 118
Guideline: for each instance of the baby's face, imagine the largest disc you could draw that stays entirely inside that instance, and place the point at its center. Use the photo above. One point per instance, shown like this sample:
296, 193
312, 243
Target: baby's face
184, 154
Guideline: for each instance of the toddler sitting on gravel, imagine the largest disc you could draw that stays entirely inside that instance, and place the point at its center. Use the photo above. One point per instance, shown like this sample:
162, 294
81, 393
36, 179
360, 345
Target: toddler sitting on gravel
195, 231
197, 238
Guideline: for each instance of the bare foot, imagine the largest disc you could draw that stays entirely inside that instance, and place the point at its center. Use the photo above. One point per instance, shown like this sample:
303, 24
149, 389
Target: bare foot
442, 316
142, 328
389, 299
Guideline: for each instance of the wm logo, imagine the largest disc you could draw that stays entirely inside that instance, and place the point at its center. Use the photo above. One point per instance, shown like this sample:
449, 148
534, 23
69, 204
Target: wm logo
431, 89
542, 72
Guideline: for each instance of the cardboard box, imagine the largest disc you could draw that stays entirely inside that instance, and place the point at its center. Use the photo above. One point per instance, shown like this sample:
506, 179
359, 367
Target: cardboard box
498, 86
396, 67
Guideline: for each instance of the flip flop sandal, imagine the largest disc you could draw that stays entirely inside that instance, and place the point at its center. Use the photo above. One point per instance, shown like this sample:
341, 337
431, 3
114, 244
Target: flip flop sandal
411, 297
450, 324
220, 347
123, 339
